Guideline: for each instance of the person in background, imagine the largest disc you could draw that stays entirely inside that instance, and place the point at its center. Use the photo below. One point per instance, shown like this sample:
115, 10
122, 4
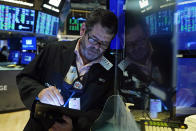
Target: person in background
4, 54
71, 71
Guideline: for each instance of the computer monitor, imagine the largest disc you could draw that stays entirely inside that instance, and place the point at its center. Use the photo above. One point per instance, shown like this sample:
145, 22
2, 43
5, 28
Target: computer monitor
160, 22
186, 64
27, 57
14, 56
28, 43
16, 19
47, 24
186, 27
74, 24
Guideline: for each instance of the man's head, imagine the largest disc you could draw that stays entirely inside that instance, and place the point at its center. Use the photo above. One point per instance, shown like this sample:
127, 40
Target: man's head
138, 47
100, 29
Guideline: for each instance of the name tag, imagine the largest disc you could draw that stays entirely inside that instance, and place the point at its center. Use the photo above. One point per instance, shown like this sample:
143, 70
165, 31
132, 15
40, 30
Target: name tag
71, 75
74, 103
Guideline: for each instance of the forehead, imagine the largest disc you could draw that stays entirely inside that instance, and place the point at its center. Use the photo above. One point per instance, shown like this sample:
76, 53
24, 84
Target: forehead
101, 33
135, 33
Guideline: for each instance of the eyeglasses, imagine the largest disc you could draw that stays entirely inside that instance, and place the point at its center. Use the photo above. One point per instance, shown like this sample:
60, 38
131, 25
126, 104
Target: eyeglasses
95, 42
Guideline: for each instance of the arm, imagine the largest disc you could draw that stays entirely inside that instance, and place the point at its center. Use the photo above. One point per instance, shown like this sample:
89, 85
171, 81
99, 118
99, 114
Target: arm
31, 80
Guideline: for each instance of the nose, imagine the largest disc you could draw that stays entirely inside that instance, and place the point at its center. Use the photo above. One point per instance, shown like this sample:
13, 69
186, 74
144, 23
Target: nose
97, 46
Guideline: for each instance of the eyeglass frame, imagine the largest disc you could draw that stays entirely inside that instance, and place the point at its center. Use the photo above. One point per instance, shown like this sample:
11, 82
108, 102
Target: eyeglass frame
95, 42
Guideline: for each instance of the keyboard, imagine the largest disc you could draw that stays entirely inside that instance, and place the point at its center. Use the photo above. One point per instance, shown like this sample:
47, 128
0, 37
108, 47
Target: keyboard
151, 125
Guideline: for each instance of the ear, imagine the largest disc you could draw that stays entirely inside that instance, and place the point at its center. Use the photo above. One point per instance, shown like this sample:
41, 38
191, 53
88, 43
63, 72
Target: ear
83, 29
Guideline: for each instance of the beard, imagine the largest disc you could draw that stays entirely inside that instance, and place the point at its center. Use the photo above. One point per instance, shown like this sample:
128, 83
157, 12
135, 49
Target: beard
89, 53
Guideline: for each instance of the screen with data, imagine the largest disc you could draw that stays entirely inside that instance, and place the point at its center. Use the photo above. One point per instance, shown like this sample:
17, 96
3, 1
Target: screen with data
186, 26
74, 24
27, 57
14, 56
47, 24
16, 19
161, 22
29, 43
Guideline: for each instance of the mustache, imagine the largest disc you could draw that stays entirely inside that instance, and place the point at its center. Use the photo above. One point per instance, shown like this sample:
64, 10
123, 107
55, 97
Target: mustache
94, 50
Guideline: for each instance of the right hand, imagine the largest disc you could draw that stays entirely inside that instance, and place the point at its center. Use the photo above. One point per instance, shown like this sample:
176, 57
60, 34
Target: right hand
51, 96
65, 126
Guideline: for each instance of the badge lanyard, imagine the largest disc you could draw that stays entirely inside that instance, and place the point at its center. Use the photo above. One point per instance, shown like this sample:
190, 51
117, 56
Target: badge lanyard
77, 84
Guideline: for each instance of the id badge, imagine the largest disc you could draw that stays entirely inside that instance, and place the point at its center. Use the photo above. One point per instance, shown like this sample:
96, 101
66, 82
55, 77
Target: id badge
71, 75
74, 103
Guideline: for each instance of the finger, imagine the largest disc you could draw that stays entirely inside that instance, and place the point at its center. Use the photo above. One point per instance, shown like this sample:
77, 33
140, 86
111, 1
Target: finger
49, 97
67, 119
63, 126
52, 128
52, 93
44, 96
59, 96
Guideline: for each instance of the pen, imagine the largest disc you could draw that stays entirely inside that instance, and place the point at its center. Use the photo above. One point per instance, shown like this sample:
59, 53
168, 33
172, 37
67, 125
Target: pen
47, 85
69, 99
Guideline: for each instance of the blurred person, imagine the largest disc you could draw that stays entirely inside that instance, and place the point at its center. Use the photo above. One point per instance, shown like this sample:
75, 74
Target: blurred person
141, 63
4, 54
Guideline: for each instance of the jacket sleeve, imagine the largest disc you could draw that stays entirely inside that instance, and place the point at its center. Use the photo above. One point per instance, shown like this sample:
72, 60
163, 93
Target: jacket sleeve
30, 79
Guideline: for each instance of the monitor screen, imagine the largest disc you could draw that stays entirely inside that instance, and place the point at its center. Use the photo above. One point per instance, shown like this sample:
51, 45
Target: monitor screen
186, 26
74, 24
185, 88
47, 24
16, 19
27, 57
161, 22
14, 56
28, 43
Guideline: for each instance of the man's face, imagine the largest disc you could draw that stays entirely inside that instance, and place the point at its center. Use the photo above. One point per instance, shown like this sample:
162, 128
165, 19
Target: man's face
95, 42
137, 47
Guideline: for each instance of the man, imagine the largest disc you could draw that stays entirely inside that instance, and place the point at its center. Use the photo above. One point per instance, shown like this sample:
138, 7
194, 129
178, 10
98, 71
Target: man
151, 68
137, 64
71, 69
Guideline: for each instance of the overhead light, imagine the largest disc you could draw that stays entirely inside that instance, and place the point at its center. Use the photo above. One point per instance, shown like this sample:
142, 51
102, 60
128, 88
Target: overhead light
50, 7
18, 2
55, 2
143, 3
186, 2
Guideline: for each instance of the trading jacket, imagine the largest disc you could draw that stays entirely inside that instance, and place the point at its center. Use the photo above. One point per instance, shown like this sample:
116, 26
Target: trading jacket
51, 66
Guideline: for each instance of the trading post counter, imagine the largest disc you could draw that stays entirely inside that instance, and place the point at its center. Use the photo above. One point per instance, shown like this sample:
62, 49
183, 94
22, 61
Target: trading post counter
9, 94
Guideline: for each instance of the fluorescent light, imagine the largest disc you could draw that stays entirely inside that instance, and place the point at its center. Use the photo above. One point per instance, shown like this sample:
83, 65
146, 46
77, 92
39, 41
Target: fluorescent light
50, 7
47, 6
55, 2
18, 2
143, 3
186, 2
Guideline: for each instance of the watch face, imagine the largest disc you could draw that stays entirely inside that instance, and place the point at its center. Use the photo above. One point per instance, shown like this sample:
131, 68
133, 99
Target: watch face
78, 85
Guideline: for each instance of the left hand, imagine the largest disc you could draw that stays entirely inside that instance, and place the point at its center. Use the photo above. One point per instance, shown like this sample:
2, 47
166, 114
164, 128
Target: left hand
66, 126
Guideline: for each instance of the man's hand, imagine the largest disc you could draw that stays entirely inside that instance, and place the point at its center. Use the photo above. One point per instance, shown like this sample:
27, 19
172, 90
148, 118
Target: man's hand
51, 96
66, 126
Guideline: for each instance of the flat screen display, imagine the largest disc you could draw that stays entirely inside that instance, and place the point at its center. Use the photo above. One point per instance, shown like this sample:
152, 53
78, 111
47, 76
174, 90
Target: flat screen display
47, 24
74, 24
161, 22
27, 57
186, 26
16, 19
28, 43
14, 56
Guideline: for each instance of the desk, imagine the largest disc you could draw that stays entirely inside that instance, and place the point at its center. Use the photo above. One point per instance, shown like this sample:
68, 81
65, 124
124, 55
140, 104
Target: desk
9, 95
